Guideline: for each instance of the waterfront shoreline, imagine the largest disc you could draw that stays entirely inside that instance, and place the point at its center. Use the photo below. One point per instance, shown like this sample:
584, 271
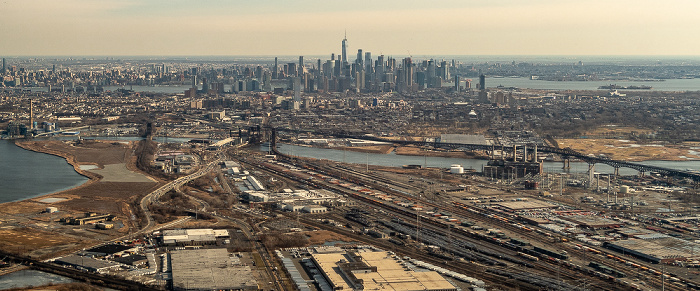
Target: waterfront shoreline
70, 159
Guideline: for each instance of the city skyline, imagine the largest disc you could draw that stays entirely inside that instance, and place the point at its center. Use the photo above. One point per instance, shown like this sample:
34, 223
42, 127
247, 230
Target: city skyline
450, 27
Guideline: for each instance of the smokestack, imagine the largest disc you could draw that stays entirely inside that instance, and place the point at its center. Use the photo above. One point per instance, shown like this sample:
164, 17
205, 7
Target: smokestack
31, 114
515, 153
525, 153
534, 156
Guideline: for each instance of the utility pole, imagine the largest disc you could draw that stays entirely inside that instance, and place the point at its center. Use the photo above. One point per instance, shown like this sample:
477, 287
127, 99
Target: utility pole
418, 220
367, 162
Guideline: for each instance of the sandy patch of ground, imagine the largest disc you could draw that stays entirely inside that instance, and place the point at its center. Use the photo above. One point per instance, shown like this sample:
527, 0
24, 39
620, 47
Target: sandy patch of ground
621, 149
93, 152
377, 149
617, 130
408, 138
416, 151
36, 242
105, 197
321, 236
119, 173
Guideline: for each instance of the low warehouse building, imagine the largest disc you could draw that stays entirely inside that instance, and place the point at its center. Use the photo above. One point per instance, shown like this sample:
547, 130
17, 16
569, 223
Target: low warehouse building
210, 269
655, 248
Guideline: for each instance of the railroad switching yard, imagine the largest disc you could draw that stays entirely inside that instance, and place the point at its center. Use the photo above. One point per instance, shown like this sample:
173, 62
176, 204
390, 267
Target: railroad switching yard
307, 224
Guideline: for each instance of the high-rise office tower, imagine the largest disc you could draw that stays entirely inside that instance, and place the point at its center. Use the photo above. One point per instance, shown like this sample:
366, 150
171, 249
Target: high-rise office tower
301, 64
318, 69
337, 69
292, 69
379, 69
4, 66
297, 88
368, 62
368, 70
359, 57
444, 70
483, 95
274, 73
457, 84
345, 49
408, 74
332, 56
328, 69
431, 74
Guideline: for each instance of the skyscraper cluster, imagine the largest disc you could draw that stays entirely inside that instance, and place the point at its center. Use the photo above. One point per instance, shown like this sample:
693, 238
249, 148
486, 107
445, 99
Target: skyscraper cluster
365, 74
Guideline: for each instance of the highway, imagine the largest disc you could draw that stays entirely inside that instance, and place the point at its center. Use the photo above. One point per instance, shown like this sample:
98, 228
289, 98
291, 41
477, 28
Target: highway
152, 197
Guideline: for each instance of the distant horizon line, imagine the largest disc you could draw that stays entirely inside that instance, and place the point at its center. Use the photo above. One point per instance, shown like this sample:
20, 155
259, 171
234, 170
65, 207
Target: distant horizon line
319, 55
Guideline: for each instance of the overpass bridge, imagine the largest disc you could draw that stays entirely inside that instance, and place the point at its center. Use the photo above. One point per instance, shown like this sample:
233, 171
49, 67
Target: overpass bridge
565, 153
61, 131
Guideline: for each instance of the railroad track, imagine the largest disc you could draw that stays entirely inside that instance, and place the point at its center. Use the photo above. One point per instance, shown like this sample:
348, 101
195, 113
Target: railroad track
461, 267
655, 280
548, 269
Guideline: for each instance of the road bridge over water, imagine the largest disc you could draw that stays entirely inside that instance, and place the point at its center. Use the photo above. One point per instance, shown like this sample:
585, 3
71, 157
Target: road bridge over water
565, 153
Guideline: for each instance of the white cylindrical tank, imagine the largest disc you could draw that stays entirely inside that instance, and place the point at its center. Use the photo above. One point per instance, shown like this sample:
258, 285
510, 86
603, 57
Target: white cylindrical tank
456, 169
624, 189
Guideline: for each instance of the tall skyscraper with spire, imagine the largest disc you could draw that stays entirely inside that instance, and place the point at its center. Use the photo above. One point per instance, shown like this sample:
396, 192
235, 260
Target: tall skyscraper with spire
344, 59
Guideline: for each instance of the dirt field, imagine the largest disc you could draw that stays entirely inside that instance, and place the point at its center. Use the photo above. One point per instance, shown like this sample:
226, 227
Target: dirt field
103, 197
38, 243
321, 236
120, 173
26, 229
89, 152
110, 187
415, 151
621, 149
378, 149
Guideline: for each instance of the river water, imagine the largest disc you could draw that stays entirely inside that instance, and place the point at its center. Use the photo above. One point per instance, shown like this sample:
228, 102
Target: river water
526, 83
518, 82
394, 160
26, 278
27, 174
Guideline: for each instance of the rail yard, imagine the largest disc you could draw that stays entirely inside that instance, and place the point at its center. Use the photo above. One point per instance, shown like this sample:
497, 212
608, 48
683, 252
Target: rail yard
441, 233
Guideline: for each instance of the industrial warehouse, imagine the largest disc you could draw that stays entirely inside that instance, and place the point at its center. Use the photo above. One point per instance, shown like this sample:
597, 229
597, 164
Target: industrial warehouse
205, 236
525, 205
210, 269
308, 201
656, 248
592, 222
375, 270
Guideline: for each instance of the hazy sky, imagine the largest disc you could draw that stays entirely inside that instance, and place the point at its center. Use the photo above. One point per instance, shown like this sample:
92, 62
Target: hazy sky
315, 27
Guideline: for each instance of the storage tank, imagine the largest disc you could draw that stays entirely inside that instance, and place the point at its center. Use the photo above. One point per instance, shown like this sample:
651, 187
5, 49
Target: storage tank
456, 169
624, 189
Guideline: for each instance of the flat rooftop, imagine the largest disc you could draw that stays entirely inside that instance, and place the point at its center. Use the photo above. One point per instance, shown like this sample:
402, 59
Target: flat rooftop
592, 221
210, 269
389, 275
109, 249
86, 262
525, 205
659, 246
